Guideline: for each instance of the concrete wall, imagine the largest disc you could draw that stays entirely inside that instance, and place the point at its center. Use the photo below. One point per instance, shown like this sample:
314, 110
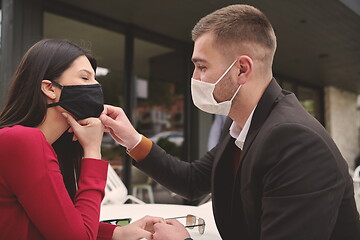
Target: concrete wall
342, 121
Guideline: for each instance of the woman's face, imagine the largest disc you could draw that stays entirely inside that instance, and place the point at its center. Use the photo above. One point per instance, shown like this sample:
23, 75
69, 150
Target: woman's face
80, 72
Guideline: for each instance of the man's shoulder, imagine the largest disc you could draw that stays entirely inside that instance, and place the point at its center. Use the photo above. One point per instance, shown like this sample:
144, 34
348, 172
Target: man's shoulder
290, 111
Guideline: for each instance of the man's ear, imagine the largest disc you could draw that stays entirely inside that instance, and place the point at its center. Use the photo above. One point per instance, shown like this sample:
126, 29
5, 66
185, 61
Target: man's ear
244, 66
48, 89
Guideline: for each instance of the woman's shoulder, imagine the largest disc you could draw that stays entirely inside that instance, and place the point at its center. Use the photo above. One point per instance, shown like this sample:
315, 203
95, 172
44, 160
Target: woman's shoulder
21, 134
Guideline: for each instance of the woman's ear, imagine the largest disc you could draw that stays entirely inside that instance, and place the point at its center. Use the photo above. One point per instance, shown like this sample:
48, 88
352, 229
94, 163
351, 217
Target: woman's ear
48, 89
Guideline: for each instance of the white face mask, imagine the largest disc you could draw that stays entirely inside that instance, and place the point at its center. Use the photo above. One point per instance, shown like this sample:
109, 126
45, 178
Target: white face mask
203, 98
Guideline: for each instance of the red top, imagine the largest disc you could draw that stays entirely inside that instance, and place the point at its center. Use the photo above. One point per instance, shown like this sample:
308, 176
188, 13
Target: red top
34, 203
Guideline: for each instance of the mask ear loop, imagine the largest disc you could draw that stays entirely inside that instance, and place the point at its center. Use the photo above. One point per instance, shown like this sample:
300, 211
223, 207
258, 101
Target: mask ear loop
227, 70
59, 86
235, 93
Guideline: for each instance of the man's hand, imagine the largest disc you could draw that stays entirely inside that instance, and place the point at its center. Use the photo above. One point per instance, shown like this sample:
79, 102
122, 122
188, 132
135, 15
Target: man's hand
119, 126
172, 229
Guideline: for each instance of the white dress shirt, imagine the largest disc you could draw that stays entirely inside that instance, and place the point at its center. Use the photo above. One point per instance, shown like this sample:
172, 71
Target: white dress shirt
240, 134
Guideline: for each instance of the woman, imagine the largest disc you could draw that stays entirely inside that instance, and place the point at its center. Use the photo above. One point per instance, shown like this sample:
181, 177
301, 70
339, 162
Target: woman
52, 180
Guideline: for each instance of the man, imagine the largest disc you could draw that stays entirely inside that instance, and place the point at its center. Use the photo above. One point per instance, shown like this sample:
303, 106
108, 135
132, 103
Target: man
276, 173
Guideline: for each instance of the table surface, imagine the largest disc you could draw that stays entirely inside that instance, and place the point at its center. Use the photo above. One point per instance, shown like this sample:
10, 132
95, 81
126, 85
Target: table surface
137, 211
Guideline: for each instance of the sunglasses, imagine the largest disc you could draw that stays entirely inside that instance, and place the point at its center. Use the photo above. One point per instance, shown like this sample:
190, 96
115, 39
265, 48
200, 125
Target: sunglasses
192, 221
120, 222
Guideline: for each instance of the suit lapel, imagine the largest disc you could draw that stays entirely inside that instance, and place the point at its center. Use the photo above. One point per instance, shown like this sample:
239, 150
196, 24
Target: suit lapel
220, 152
270, 97
222, 181
224, 142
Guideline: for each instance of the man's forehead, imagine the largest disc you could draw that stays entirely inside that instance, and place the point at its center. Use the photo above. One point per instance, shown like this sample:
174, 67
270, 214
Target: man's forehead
204, 49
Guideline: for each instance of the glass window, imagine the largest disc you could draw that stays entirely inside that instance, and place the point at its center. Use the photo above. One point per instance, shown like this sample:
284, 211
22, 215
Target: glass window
158, 113
288, 86
110, 72
159, 101
310, 99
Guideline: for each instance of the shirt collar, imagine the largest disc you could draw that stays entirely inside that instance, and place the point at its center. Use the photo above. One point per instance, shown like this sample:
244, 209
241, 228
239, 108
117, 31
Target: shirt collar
240, 134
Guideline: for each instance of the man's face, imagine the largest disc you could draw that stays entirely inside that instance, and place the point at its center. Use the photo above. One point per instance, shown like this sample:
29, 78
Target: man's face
210, 64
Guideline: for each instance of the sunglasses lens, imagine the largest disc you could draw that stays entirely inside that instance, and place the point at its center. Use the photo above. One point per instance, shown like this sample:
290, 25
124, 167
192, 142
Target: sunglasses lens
190, 220
201, 224
119, 222
122, 222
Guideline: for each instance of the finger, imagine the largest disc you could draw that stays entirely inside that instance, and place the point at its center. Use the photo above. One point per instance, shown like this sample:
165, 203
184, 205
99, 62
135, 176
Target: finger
70, 130
108, 108
107, 121
85, 121
103, 118
145, 234
105, 109
151, 221
71, 121
154, 220
172, 222
160, 220
114, 112
158, 226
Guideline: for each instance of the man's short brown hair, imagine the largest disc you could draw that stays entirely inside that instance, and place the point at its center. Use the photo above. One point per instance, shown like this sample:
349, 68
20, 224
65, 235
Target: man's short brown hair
238, 24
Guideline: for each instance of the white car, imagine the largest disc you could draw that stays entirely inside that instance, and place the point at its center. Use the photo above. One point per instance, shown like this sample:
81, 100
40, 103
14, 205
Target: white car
172, 136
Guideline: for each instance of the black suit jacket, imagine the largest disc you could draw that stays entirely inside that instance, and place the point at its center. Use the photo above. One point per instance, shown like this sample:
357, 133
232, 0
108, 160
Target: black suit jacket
292, 182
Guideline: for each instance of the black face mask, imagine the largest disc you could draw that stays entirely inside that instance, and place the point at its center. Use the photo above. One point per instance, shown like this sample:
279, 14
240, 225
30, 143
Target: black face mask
82, 101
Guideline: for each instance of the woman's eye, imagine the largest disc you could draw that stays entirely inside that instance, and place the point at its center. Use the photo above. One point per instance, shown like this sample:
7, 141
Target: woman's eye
85, 78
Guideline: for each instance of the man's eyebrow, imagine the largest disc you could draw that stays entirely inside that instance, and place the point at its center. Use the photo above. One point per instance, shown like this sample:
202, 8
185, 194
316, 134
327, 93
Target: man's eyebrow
195, 60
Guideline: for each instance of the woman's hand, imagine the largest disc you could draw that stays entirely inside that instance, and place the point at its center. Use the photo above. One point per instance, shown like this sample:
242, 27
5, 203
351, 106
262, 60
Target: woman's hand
142, 228
89, 133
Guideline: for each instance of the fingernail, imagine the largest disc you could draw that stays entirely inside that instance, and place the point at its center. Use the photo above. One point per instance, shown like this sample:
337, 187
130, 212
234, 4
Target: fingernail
64, 114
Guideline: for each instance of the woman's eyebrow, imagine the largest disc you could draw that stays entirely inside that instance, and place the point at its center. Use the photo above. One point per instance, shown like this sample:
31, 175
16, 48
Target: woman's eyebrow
87, 71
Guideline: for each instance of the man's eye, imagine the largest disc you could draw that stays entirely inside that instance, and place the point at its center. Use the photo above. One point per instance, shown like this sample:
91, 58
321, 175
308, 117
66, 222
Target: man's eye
201, 68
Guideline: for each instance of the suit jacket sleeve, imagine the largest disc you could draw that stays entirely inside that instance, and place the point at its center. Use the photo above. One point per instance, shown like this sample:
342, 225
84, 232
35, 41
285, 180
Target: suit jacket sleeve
190, 180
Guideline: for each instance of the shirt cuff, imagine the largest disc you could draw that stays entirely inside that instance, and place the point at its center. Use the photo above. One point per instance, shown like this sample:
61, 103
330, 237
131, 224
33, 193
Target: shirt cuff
141, 149
139, 140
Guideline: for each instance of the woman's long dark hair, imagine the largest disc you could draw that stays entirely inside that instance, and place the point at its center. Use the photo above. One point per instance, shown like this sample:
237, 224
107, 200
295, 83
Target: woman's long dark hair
26, 104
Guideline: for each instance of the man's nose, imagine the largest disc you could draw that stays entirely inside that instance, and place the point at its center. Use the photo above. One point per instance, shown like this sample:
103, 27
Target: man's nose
196, 75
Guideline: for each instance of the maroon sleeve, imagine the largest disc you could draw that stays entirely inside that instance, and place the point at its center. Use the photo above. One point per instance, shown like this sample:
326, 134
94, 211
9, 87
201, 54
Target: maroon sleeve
106, 231
33, 175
